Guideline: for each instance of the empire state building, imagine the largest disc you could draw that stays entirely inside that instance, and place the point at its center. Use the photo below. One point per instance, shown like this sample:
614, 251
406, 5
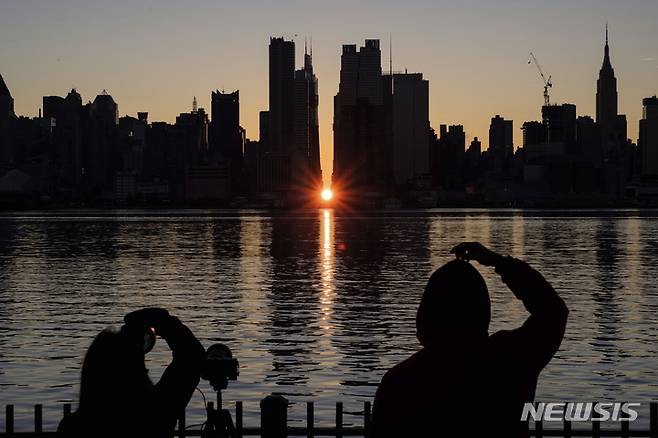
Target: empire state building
606, 98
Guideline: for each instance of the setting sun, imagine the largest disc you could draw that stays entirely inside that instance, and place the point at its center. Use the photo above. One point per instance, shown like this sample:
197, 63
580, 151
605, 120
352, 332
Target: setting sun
327, 194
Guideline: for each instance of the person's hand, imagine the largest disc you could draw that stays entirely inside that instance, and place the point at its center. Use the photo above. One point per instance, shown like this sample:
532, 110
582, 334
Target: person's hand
476, 251
149, 317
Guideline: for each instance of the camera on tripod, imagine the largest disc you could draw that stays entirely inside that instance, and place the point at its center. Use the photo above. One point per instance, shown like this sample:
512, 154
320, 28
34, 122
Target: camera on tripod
220, 366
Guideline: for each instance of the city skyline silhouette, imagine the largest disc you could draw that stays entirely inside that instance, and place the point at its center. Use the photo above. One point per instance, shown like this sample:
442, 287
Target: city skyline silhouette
361, 214
124, 63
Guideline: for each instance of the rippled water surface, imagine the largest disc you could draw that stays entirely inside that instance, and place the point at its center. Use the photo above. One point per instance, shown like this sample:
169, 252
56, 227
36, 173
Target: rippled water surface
315, 306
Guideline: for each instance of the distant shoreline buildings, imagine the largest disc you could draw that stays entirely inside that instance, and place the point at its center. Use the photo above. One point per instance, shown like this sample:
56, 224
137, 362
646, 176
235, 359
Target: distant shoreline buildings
386, 154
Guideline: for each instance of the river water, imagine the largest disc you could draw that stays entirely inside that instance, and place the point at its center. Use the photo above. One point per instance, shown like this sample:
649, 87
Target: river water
314, 305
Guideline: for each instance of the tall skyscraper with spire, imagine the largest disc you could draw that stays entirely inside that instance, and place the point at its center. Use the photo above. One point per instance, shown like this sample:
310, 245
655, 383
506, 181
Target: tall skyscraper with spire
304, 150
306, 139
613, 128
606, 98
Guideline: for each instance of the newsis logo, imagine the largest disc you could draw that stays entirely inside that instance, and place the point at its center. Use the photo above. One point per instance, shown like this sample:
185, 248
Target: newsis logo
580, 411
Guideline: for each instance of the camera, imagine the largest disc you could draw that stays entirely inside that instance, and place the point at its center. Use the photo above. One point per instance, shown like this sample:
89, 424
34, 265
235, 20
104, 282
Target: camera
220, 366
144, 337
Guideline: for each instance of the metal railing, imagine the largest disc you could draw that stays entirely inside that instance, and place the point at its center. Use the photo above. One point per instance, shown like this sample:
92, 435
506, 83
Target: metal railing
274, 424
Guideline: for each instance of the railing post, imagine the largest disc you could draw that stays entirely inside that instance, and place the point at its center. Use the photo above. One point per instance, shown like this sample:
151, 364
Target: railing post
653, 420
9, 418
367, 418
539, 425
38, 418
596, 429
67, 409
274, 417
339, 420
625, 429
539, 429
238, 419
567, 429
310, 420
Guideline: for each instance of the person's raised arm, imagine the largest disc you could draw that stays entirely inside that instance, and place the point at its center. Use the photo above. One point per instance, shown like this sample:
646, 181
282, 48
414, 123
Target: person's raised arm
176, 386
541, 334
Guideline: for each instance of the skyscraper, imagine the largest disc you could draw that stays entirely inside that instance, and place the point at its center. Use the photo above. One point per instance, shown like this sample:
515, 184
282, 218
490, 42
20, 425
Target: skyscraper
361, 74
451, 154
501, 135
612, 126
282, 72
560, 123
193, 128
66, 123
360, 153
648, 141
606, 99
588, 139
264, 130
534, 132
6, 115
305, 150
52, 106
410, 130
101, 153
501, 142
225, 138
472, 162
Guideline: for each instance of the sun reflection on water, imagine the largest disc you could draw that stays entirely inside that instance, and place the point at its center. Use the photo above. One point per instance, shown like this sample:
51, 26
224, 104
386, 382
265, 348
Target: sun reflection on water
327, 267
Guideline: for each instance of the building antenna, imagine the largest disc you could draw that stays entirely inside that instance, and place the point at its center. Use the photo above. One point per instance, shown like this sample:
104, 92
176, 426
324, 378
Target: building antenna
390, 60
390, 55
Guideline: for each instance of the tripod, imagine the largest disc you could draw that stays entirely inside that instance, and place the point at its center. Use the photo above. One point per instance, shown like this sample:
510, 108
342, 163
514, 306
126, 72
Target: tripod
219, 422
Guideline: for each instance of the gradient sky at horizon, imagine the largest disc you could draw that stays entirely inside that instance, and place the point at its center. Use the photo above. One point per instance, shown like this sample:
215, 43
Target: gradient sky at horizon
155, 55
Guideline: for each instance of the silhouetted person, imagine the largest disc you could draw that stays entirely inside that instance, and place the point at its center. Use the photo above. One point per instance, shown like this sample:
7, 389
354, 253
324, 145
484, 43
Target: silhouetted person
464, 382
117, 397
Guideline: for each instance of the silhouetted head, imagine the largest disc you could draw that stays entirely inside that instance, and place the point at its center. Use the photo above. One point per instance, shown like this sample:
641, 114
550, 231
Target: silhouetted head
113, 373
455, 304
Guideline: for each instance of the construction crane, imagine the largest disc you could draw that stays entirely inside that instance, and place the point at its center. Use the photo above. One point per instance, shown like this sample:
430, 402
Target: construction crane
547, 82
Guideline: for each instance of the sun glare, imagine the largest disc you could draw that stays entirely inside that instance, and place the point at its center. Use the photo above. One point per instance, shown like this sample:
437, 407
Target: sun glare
327, 194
